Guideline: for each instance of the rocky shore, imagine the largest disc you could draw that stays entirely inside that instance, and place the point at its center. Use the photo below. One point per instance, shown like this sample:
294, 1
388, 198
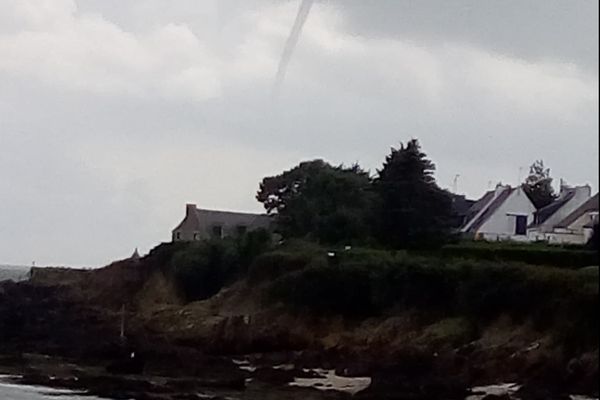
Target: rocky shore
61, 329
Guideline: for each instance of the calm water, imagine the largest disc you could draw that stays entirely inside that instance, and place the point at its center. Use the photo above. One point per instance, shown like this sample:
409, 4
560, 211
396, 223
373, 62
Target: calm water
14, 272
9, 391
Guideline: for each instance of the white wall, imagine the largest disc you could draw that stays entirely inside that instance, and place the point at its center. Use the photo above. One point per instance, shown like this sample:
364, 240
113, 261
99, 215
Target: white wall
566, 238
501, 224
582, 194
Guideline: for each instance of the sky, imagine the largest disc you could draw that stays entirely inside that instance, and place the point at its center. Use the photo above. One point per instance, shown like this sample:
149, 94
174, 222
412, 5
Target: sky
114, 114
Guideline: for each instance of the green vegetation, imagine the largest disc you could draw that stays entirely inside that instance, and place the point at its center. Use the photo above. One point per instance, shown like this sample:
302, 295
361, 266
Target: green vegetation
414, 212
202, 268
529, 253
594, 242
321, 202
538, 185
364, 283
402, 207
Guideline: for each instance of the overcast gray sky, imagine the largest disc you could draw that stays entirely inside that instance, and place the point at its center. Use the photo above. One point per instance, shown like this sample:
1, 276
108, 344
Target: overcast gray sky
114, 114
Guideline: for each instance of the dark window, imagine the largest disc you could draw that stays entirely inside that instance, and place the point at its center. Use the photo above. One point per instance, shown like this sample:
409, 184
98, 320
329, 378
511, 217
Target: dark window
241, 229
521, 225
178, 235
217, 231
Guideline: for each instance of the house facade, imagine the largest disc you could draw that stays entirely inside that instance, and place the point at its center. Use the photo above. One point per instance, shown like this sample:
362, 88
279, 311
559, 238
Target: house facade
501, 214
576, 227
200, 224
547, 218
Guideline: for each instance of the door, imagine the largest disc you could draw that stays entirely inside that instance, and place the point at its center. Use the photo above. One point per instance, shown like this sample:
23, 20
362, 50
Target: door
521, 225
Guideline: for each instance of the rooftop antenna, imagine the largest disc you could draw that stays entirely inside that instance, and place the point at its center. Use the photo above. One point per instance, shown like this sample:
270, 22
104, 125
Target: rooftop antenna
455, 183
519, 178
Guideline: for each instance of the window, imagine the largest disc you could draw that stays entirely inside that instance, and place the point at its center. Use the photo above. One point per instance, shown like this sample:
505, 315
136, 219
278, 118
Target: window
196, 236
520, 224
178, 235
217, 231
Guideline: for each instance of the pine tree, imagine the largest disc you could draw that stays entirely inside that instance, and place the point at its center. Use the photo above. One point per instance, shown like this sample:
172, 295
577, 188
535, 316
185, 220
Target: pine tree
414, 211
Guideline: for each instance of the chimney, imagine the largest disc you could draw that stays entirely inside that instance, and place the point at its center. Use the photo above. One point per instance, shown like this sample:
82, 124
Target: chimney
584, 192
190, 209
564, 187
499, 189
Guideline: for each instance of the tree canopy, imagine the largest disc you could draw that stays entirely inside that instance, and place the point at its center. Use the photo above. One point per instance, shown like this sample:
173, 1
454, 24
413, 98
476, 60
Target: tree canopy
414, 211
320, 201
538, 185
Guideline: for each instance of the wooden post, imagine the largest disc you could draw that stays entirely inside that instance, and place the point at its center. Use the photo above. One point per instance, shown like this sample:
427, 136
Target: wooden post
122, 335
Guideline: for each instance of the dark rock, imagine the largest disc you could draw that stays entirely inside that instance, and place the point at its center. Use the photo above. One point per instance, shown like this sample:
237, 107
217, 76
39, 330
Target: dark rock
134, 364
497, 397
274, 376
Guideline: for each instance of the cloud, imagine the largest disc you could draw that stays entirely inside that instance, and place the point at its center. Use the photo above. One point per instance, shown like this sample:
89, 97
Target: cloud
113, 115
63, 48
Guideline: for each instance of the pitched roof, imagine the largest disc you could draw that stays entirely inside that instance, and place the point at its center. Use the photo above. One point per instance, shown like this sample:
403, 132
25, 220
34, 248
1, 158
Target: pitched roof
460, 204
546, 212
234, 218
490, 207
590, 205
197, 217
479, 205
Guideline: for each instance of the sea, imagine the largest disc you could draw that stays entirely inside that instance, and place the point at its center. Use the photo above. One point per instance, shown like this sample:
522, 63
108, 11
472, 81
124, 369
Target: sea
14, 272
10, 391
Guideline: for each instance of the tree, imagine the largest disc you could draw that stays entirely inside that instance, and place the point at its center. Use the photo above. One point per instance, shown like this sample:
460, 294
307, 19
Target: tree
319, 201
538, 185
594, 241
414, 211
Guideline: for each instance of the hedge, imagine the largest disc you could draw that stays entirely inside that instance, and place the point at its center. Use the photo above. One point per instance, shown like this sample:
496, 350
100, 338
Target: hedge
529, 254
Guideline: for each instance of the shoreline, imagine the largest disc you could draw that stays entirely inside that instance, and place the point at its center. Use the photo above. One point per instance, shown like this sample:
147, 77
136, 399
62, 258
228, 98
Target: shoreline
243, 380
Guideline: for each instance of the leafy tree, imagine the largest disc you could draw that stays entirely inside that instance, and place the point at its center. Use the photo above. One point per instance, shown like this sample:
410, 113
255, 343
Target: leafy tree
414, 211
538, 185
319, 201
202, 268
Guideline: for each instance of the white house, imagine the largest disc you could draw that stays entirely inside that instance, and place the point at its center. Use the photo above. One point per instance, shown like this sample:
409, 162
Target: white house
577, 226
501, 214
547, 218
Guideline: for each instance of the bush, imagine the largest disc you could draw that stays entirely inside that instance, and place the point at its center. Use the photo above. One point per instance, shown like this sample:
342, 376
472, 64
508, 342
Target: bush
291, 257
594, 241
251, 244
364, 283
202, 269
327, 290
537, 254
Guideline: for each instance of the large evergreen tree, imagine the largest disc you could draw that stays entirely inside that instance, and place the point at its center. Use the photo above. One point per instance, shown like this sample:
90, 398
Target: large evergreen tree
414, 211
319, 201
538, 185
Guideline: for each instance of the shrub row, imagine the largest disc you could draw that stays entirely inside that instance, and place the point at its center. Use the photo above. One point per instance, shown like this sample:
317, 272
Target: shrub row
479, 290
529, 254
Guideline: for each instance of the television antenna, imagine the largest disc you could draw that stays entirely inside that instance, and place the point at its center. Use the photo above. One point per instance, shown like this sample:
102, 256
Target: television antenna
455, 183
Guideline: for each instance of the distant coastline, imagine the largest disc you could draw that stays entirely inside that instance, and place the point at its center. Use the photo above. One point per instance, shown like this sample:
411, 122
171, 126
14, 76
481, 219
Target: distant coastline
14, 272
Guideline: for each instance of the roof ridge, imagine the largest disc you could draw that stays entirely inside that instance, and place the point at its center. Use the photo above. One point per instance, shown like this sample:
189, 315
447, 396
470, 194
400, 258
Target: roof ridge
589, 205
490, 208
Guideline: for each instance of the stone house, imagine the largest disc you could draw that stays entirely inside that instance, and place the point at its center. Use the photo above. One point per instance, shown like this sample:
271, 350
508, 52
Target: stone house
199, 224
